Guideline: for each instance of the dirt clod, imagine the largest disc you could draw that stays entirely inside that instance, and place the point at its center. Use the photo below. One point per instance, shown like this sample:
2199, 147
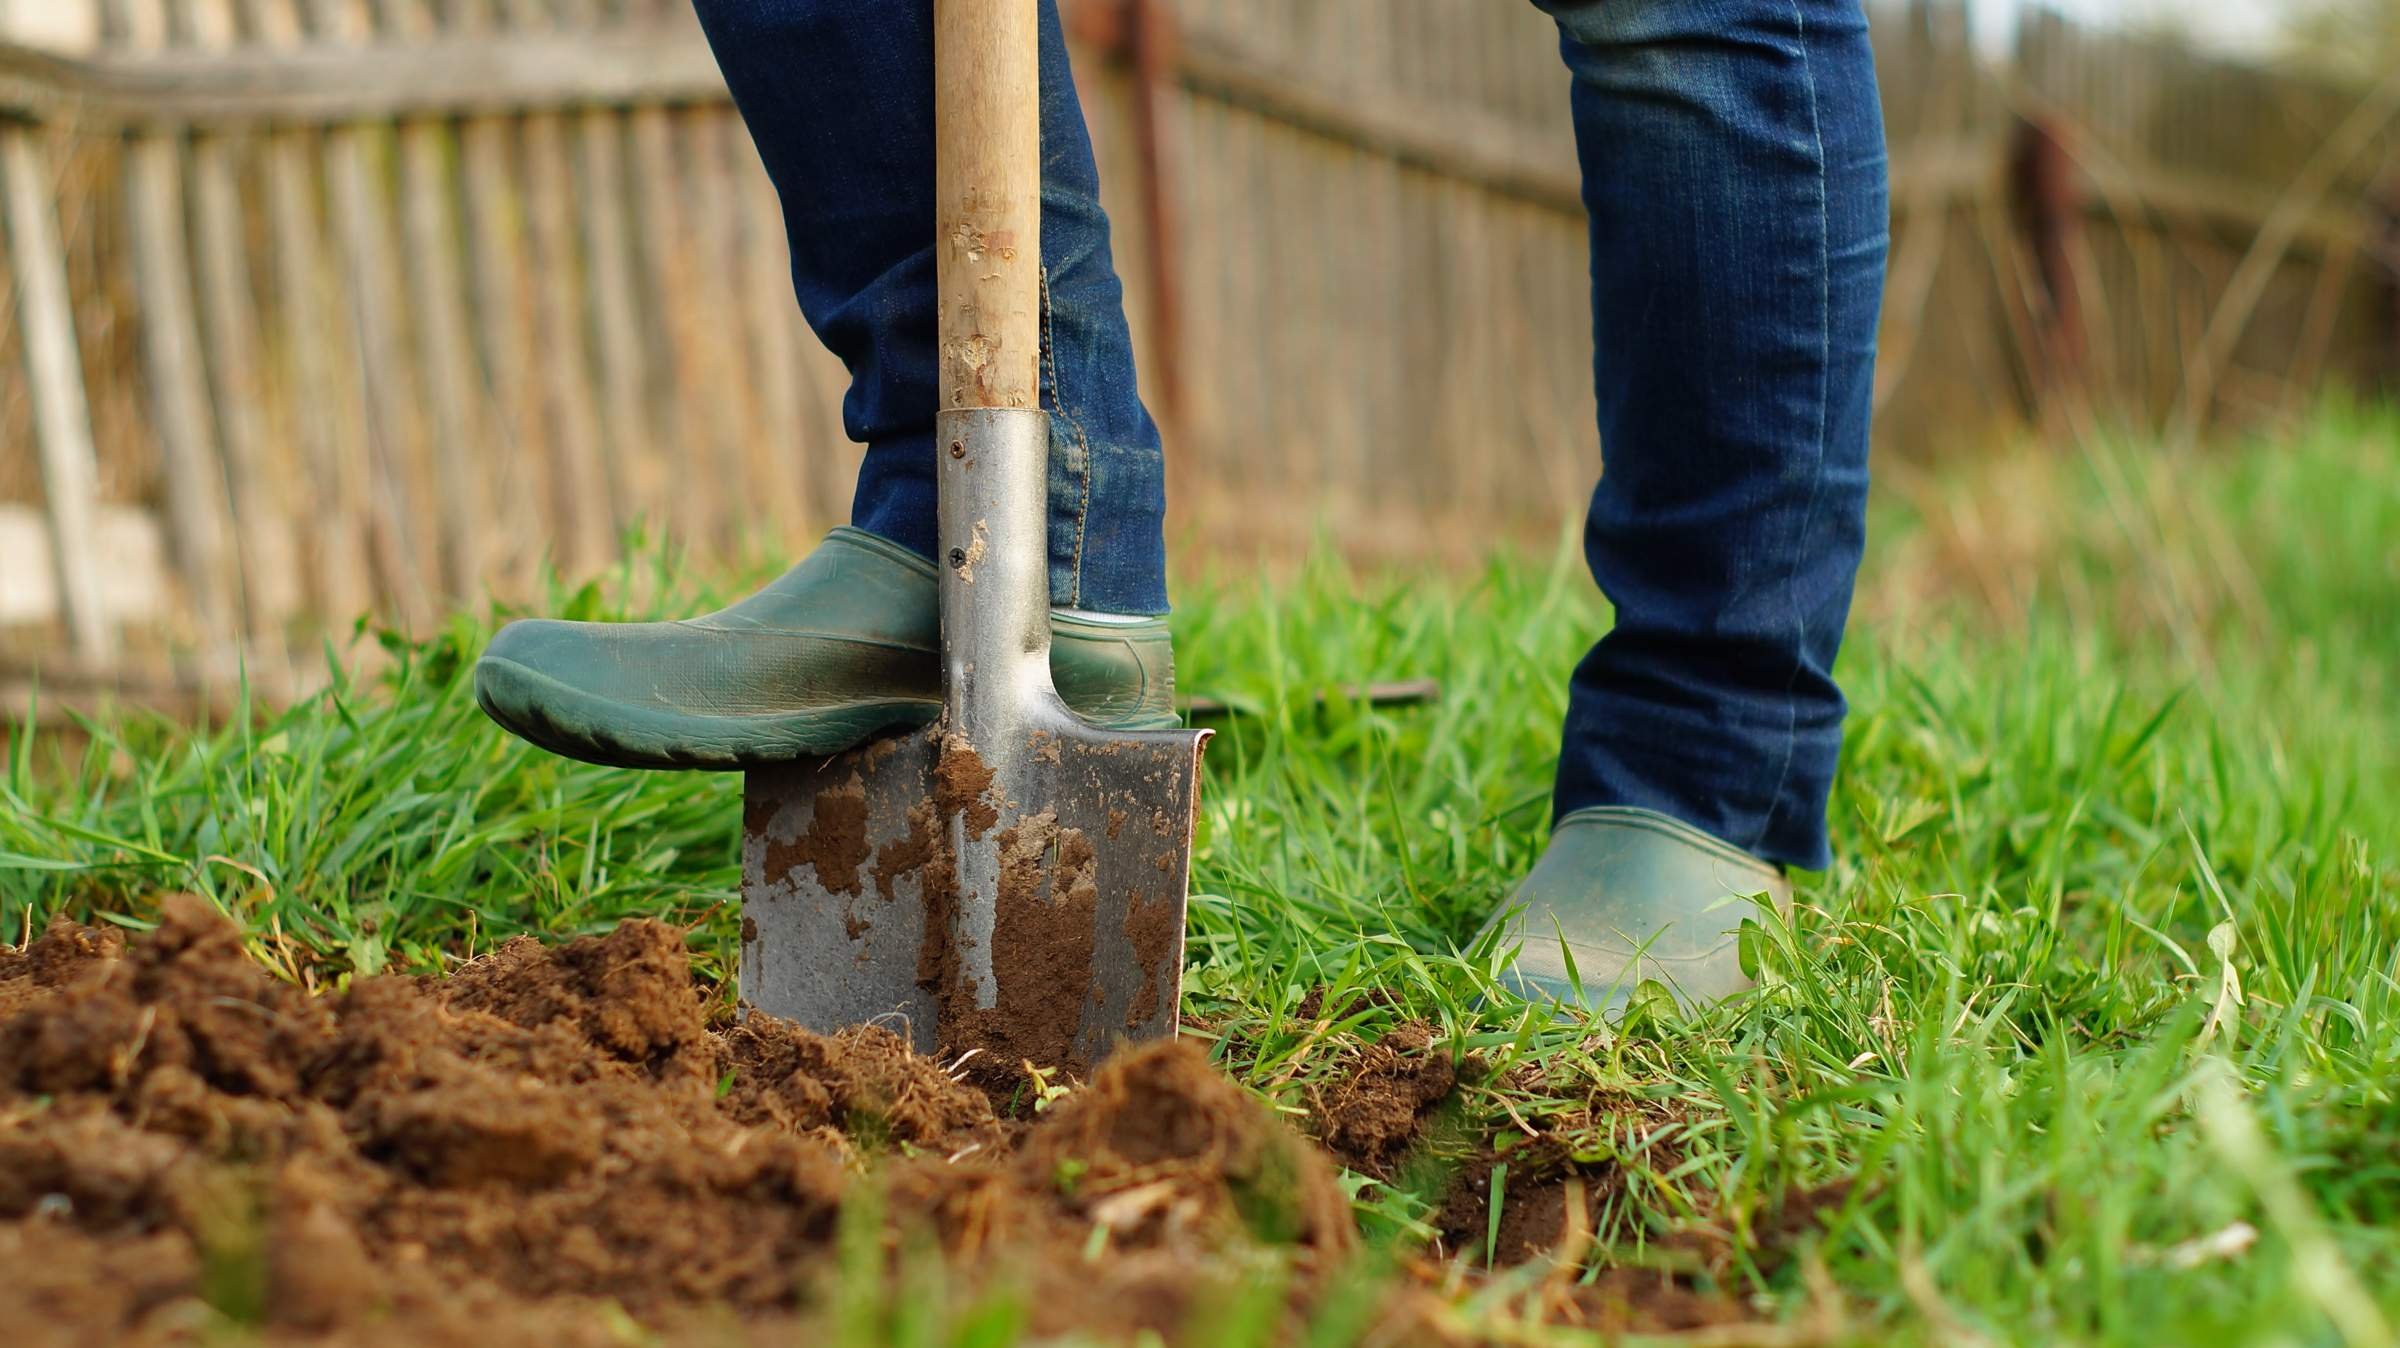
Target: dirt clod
1161, 1141
1379, 1106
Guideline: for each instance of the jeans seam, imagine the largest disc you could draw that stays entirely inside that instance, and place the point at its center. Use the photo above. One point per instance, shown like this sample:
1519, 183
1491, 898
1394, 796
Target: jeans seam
1791, 738
1083, 446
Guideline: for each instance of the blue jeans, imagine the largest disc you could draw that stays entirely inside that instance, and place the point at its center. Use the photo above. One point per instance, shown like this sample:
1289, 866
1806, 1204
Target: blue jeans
1734, 171
838, 94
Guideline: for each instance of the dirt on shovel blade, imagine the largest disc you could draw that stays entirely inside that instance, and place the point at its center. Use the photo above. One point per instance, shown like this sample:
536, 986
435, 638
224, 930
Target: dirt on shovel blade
554, 1145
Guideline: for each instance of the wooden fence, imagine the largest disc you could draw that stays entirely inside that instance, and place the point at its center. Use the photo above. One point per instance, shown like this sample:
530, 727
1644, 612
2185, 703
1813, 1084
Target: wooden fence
324, 307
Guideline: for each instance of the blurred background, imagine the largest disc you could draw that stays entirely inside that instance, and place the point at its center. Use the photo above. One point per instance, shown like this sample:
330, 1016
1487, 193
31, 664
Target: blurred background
327, 307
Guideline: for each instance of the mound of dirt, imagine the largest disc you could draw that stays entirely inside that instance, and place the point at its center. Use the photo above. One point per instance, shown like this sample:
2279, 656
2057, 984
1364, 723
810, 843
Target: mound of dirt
555, 1145
555, 1133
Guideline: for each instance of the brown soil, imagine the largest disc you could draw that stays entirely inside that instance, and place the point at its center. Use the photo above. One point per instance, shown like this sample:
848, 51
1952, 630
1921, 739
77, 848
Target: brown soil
1045, 927
962, 781
836, 841
555, 1139
1154, 929
1547, 1198
1377, 1110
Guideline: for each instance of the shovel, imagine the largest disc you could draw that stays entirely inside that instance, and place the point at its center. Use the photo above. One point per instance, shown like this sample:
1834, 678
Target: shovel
1008, 880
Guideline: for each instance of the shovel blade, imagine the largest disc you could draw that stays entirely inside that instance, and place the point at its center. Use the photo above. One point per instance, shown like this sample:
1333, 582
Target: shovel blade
1022, 897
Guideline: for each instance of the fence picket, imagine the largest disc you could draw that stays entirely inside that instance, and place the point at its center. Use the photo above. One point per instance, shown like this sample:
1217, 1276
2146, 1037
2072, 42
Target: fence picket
519, 456
737, 418
628, 430
269, 589
436, 312
587, 518
790, 423
188, 453
54, 376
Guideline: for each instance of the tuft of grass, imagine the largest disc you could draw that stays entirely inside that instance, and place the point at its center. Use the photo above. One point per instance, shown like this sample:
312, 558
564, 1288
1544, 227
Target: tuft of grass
380, 824
2094, 1026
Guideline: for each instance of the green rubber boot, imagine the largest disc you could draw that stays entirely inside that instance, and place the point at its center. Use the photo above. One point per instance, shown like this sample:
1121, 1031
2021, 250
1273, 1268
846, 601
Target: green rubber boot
1633, 895
847, 643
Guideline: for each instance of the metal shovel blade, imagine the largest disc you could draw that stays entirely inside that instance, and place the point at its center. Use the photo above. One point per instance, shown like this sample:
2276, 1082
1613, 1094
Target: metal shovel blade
1009, 879
1024, 898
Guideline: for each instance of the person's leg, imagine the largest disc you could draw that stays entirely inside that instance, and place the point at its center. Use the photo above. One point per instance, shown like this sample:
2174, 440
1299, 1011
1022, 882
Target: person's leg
838, 96
1734, 171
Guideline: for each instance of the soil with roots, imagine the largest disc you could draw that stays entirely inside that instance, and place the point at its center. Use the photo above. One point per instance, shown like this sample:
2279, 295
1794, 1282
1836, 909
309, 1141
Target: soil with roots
555, 1144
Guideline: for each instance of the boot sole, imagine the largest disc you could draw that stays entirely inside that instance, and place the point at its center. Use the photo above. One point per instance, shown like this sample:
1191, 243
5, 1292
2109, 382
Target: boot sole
594, 730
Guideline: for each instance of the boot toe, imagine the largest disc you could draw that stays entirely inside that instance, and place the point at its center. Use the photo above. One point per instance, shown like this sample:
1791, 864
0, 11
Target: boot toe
1604, 977
536, 645
535, 661
1623, 897
536, 680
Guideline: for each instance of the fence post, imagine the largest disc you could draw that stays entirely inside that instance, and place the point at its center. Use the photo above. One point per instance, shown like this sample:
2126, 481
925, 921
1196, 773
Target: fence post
178, 388
1145, 36
2386, 250
264, 549
2046, 202
181, 411
62, 415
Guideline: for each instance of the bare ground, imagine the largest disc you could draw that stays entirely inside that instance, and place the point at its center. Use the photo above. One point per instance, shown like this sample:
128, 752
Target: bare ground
555, 1139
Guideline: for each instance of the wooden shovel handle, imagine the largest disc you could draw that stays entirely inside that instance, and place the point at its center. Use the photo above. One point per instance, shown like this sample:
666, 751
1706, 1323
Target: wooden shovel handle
988, 192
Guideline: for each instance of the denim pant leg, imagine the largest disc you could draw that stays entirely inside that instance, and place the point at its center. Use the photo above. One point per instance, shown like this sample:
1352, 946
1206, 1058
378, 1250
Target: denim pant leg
838, 95
1734, 169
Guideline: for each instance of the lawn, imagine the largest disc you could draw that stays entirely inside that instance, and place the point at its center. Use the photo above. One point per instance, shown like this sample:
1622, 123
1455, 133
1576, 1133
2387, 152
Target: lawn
2091, 1035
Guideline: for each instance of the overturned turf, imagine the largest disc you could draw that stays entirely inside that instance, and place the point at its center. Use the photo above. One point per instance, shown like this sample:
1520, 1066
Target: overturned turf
554, 1142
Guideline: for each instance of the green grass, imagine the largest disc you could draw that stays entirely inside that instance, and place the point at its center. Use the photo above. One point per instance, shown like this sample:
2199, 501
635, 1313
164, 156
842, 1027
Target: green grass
2097, 1011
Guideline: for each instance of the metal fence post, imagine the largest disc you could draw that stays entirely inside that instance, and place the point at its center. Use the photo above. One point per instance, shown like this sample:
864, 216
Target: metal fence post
2385, 250
2046, 201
